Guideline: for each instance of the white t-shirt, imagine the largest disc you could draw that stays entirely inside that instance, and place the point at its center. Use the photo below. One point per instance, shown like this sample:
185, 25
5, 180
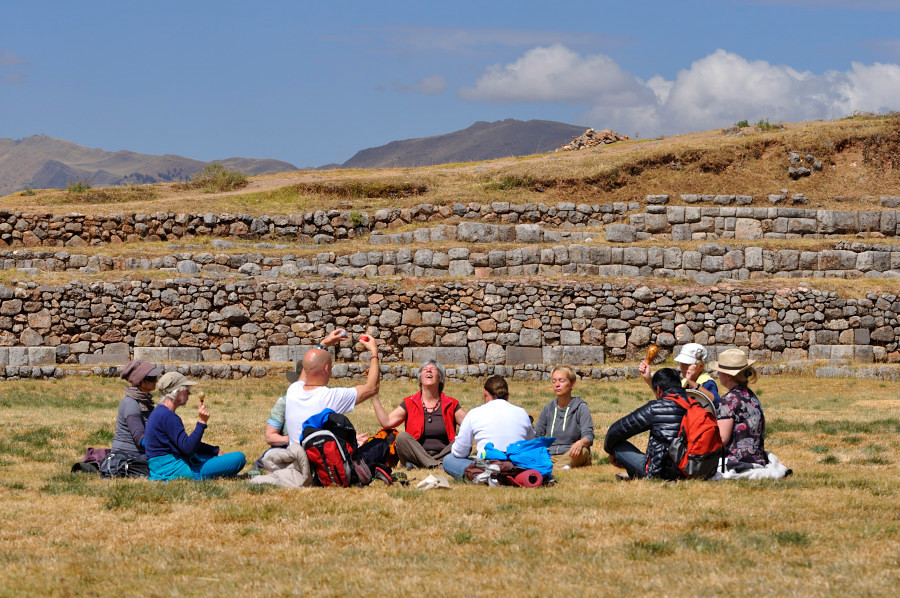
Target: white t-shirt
496, 421
299, 405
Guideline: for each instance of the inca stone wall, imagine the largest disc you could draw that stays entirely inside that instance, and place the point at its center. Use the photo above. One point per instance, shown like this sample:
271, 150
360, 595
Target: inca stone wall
708, 263
473, 324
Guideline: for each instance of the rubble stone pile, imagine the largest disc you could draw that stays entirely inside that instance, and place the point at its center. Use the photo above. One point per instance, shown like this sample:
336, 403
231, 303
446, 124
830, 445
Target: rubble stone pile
593, 138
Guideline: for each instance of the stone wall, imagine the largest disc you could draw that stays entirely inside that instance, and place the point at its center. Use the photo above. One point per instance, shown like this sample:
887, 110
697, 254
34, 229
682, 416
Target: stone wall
470, 323
686, 223
23, 229
708, 263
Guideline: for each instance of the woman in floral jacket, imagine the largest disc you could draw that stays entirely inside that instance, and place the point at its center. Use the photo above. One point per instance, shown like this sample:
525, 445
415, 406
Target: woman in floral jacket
742, 424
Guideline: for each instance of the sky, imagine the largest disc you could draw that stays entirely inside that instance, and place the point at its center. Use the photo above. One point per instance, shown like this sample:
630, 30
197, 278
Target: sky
312, 82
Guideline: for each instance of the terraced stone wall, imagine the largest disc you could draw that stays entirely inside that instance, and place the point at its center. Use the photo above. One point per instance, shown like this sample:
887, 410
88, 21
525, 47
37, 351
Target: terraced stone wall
474, 323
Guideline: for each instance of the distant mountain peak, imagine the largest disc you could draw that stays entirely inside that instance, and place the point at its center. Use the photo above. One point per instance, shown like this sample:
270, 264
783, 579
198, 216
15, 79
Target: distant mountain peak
481, 140
44, 162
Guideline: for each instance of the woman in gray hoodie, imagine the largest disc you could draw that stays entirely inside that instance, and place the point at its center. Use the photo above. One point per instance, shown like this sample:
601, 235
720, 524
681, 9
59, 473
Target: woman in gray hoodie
568, 420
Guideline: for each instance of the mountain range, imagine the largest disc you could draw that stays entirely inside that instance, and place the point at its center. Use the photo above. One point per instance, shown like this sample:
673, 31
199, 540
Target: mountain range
42, 162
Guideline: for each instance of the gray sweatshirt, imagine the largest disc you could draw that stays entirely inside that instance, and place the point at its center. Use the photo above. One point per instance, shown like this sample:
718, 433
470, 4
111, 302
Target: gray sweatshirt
567, 425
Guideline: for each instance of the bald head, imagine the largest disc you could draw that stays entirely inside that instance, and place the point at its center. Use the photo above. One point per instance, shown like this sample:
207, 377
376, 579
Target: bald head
317, 365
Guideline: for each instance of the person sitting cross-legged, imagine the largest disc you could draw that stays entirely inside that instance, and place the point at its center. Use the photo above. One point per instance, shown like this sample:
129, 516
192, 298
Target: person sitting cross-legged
568, 420
662, 418
430, 418
497, 421
171, 452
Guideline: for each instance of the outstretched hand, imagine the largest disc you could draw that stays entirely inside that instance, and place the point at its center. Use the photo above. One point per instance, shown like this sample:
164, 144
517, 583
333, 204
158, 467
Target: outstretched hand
334, 337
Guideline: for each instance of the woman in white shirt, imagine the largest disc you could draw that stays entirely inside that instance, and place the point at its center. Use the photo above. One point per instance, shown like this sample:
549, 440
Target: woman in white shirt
497, 421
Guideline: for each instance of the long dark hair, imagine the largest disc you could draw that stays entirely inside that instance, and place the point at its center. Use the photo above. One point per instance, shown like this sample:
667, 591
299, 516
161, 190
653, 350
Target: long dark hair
497, 387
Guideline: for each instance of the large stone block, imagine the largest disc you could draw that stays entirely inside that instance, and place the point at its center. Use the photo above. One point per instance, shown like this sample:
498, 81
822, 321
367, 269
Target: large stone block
524, 355
191, 354
117, 352
18, 356
620, 233
530, 337
42, 355
477, 232
288, 353
747, 228
573, 355
153, 354
445, 355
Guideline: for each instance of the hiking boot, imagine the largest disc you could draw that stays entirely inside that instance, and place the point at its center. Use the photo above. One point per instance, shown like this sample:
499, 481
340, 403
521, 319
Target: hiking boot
622, 476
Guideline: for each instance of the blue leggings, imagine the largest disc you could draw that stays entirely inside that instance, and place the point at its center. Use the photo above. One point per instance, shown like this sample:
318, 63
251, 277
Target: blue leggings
199, 467
223, 466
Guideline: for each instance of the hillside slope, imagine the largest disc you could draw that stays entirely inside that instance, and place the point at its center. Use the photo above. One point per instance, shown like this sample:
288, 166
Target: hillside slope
481, 141
43, 162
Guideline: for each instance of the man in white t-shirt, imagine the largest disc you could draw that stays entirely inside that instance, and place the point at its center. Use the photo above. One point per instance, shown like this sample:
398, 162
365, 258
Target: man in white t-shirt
305, 398
497, 421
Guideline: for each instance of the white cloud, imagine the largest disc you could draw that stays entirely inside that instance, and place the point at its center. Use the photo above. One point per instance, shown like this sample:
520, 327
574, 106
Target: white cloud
429, 86
9, 58
557, 74
714, 91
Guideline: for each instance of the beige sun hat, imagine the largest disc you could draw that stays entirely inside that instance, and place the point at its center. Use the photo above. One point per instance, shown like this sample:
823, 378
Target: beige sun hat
732, 361
171, 381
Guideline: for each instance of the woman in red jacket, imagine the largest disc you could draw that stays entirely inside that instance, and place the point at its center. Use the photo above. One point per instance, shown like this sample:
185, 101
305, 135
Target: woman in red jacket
431, 419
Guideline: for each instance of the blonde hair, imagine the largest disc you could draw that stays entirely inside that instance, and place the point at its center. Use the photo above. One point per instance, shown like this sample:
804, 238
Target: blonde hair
565, 370
746, 376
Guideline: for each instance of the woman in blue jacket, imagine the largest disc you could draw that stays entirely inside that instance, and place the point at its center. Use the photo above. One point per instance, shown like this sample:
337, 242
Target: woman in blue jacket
171, 452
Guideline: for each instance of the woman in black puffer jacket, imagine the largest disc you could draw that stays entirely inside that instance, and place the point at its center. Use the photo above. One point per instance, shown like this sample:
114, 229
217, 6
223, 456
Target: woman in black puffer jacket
662, 417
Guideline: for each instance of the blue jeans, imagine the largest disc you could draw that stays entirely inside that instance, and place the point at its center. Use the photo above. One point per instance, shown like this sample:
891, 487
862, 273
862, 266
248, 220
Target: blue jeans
629, 457
456, 466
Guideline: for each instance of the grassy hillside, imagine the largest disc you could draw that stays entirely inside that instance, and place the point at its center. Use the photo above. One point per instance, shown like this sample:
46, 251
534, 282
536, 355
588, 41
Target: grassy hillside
861, 157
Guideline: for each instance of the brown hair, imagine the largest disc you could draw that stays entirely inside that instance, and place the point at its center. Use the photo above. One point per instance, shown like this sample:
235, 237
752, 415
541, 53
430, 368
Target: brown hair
566, 371
496, 386
746, 376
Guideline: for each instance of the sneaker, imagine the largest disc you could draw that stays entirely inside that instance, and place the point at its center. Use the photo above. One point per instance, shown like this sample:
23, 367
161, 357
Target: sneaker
623, 476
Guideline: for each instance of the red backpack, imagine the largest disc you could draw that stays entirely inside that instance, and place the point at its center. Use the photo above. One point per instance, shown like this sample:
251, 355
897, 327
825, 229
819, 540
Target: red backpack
330, 444
698, 447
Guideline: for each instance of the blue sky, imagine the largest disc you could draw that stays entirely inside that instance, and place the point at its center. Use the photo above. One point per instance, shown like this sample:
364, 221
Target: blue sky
313, 82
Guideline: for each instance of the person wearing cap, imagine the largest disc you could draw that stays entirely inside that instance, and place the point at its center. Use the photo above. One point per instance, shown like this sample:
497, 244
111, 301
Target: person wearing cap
127, 457
692, 362
310, 396
568, 420
742, 424
662, 418
429, 416
171, 452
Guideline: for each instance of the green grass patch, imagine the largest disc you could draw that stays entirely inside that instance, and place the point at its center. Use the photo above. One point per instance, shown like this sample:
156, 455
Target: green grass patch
645, 550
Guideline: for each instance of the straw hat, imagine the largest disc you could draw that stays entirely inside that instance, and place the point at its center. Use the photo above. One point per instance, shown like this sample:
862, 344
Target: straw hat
732, 361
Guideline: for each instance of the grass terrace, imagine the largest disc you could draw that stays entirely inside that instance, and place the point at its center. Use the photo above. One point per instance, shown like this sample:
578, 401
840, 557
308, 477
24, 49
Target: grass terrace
831, 529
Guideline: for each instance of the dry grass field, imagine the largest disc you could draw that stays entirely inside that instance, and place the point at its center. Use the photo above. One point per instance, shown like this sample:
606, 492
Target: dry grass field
860, 156
833, 529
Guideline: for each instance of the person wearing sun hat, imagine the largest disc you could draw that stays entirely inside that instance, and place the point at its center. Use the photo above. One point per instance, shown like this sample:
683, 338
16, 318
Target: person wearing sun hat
126, 457
171, 452
742, 423
691, 360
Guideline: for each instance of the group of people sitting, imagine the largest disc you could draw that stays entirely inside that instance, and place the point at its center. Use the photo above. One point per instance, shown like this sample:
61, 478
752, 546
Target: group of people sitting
438, 432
